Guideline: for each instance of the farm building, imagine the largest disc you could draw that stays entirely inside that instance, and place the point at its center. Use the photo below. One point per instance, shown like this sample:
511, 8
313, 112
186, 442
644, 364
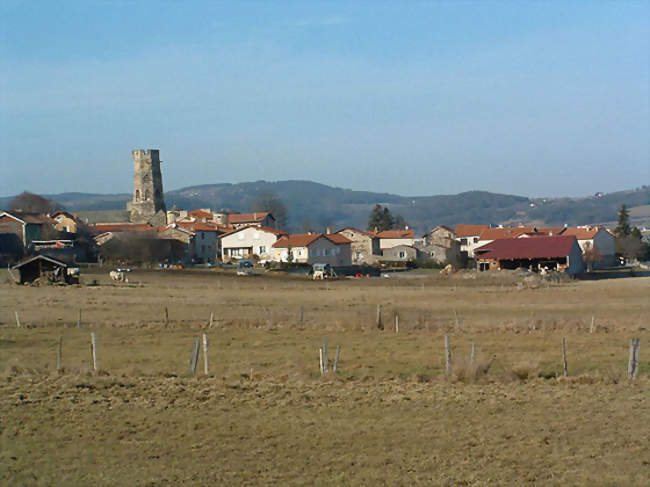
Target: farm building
561, 253
365, 245
45, 268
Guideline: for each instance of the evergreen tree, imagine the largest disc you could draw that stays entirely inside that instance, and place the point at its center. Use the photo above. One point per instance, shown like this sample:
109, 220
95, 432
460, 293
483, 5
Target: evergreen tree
623, 228
387, 220
375, 219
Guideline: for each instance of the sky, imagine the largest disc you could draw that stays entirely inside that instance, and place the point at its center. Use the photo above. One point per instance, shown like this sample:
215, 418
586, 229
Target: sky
414, 98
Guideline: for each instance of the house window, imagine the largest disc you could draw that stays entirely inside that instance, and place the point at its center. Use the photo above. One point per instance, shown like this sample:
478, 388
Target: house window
402, 254
262, 249
475, 239
202, 236
463, 241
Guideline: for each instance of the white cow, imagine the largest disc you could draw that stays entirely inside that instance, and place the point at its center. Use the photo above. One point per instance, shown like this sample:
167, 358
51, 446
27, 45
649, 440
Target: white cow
118, 276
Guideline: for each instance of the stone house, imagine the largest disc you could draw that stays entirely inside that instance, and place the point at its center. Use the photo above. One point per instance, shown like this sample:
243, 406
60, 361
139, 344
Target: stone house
401, 253
442, 255
440, 245
308, 248
364, 245
245, 242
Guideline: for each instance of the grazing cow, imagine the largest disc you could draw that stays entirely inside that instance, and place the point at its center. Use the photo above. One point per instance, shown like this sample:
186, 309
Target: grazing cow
118, 276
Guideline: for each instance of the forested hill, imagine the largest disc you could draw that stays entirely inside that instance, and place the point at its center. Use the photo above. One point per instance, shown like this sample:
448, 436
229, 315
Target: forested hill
318, 206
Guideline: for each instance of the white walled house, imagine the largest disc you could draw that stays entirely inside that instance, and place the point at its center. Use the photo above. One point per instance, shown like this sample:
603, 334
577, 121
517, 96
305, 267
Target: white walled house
333, 249
245, 242
392, 238
468, 237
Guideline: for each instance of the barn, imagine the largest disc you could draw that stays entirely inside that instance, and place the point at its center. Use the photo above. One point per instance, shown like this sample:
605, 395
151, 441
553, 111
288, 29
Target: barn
561, 253
46, 268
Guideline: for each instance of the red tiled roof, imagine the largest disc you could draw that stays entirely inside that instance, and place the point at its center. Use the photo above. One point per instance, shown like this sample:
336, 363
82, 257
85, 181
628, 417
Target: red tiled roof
507, 232
120, 227
247, 217
201, 214
470, 230
199, 226
336, 238
306, 239
297, 240
527, 248
582, 233
359, 231
263, 229
552, 230
396, 234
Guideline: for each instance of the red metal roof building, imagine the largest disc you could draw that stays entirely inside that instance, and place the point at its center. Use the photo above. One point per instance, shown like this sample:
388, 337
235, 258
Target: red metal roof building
560, 253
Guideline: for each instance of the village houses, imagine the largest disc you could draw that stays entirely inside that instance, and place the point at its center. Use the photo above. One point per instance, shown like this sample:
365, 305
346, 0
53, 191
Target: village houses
311, 248
246, 242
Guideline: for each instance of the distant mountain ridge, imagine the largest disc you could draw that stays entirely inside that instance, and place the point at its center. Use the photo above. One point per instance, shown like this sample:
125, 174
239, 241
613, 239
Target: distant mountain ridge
317, 206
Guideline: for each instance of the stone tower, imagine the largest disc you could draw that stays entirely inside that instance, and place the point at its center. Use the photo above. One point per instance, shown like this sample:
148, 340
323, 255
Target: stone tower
148, 204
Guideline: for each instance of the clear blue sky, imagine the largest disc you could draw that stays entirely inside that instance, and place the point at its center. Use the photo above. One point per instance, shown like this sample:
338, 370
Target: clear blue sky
415, 98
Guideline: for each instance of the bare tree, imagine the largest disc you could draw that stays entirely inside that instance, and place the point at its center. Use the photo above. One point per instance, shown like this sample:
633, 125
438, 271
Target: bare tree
33, 203
591, 255
268, 200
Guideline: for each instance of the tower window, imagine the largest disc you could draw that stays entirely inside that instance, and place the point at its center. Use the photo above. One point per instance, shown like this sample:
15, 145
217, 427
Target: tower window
147, 195
137, 195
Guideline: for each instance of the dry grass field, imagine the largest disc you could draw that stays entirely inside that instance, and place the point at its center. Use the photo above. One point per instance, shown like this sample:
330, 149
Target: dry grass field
265, 415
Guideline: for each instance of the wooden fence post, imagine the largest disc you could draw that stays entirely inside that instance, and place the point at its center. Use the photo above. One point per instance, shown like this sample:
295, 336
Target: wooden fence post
457, 321
472, 357
565, 370
336, 359
194, 358
325, 364
633, 360
320, 359
211, 318
380, 325
636, 357
93, 349
59, 358
17, 319
205, 354
166, 316
592, 327
447, 355
79, 319
396, 323
301, 314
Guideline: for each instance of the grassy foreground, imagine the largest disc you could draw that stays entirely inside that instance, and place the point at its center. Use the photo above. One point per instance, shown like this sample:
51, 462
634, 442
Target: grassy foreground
264, 415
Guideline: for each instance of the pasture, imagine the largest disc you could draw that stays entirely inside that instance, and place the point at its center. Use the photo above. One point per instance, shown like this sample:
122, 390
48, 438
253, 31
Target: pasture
265, 415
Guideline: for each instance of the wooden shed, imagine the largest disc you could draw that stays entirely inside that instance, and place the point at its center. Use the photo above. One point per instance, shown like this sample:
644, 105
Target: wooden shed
44, 267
